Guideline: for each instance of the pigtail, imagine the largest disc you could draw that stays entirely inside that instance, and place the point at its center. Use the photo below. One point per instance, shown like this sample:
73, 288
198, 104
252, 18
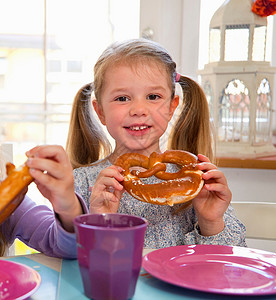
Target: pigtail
192, 131
86, 141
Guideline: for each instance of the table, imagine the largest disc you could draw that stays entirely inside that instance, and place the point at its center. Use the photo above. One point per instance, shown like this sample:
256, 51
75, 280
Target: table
60, 280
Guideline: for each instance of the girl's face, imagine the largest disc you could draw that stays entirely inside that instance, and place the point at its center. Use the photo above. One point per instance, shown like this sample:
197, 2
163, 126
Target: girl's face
136, 106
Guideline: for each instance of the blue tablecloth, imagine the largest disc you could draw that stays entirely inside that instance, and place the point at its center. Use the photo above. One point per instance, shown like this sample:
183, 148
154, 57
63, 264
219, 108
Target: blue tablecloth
148, 288
67, 285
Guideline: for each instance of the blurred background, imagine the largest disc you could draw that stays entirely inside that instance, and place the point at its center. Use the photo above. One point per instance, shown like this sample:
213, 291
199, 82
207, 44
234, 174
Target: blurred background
48, 49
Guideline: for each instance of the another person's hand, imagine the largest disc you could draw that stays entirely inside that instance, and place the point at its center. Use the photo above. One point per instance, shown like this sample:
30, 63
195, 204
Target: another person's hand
53, 174
213, 200
107, 191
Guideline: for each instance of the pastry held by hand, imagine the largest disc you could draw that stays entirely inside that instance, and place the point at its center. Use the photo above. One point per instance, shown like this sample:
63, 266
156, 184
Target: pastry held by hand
13, 189
175, 188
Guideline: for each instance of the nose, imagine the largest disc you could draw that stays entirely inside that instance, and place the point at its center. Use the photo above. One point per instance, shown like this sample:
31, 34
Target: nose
139, 107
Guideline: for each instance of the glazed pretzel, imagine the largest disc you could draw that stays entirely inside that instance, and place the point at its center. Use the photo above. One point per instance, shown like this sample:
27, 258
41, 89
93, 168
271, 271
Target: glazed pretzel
175, 188
15, 182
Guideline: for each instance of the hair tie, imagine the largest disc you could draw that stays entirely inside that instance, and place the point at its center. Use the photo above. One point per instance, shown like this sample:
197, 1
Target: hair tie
177, 77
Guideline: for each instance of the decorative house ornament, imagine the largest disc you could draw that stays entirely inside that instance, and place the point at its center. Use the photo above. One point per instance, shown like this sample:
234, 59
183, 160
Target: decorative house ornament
238, 81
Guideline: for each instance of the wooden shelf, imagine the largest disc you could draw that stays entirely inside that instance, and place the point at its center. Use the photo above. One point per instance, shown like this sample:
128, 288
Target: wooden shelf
252, 163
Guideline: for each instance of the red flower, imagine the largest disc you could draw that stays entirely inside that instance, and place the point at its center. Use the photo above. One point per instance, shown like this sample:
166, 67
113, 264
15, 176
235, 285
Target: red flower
264, 8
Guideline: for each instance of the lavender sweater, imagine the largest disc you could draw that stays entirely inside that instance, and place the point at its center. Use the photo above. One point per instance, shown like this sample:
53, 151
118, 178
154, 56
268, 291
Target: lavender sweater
39, 227
166, 226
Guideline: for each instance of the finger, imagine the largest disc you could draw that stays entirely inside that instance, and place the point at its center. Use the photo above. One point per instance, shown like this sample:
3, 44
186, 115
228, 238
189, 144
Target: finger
32, 151
112, 172
206, 166
42, 178
48, 166
215, 175
114, 199
110, 197
118, 193
220, 189
203, 158
112, 185
104, 197
120, 169
106, 183
54, 152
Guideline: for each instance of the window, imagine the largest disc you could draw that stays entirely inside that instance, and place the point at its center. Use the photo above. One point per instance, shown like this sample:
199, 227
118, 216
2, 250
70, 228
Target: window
54, 66
234, 113
214, 47
236, 42
74, 66
46, 56
263, 112
47, 52
207, 10
258, 40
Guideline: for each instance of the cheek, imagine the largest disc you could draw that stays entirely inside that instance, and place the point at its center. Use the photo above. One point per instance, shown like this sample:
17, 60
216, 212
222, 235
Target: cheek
110, 120
114, 120
163, 113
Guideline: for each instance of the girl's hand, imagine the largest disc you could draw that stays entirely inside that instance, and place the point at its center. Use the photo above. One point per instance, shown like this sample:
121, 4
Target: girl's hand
213, 200
107, 191
53, 174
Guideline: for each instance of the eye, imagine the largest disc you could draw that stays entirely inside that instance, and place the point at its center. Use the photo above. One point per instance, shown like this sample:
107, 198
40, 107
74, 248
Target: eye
122, 99
153, 97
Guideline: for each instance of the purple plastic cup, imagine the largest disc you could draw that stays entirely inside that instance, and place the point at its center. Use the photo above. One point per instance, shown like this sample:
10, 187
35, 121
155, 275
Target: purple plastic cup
110, 249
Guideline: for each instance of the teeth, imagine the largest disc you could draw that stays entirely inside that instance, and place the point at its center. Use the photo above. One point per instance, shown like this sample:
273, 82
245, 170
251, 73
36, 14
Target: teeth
138, 127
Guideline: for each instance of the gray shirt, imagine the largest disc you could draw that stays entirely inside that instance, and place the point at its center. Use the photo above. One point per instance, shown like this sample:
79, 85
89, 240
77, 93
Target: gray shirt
167, 226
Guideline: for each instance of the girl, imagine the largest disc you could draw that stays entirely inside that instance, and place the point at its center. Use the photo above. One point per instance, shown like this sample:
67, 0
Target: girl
37, 225
134, 86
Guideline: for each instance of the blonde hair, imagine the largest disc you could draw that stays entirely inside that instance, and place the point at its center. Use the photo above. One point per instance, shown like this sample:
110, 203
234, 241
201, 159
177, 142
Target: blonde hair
192, 131
86, 143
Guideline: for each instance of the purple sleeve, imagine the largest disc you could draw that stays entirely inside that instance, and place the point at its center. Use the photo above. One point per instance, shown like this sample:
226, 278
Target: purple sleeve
39, 228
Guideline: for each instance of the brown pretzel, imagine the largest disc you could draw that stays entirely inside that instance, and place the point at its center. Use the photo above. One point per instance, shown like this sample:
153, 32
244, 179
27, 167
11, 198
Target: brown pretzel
10, 188
176, 188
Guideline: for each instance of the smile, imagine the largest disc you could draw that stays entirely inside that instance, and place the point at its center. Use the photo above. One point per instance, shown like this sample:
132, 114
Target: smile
137, 128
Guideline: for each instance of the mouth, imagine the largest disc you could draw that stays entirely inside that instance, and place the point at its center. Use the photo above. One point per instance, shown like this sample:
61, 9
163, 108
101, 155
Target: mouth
138, 129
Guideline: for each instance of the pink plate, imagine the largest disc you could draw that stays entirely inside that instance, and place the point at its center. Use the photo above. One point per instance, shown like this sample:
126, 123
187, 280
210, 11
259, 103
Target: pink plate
216, 269
17, 281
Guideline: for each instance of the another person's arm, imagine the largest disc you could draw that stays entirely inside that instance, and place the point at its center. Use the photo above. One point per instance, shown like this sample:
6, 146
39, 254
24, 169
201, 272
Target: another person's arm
39, 228
53, 174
